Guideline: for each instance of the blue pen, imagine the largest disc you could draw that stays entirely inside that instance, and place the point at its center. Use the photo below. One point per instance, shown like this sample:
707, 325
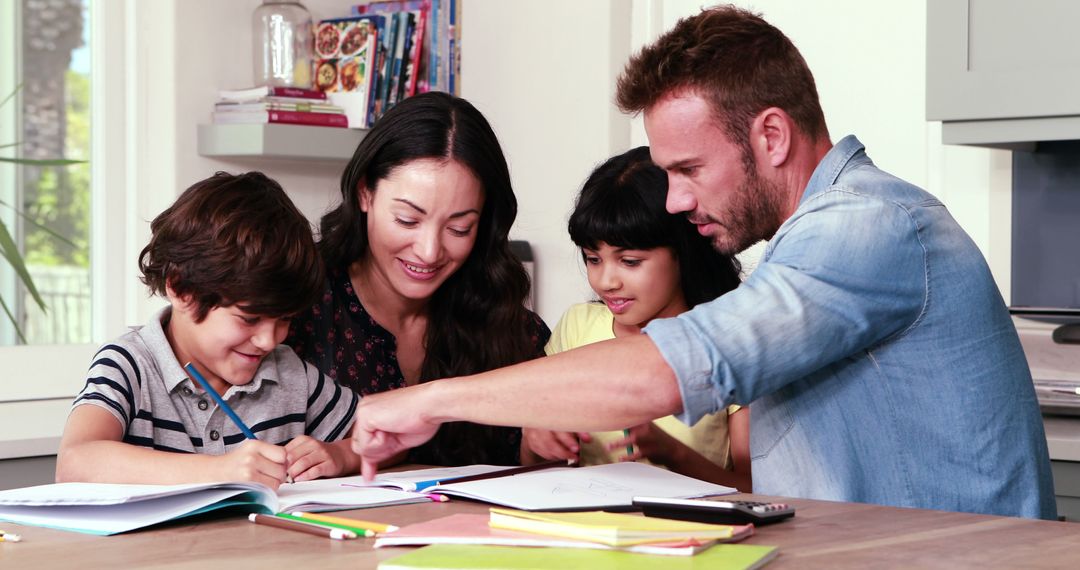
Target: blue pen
220, 401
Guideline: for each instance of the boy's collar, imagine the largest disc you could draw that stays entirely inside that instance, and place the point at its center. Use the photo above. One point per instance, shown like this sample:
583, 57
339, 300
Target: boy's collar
172, 371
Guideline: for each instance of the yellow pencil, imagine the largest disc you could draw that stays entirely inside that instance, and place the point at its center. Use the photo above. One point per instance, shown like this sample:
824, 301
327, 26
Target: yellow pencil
377, 527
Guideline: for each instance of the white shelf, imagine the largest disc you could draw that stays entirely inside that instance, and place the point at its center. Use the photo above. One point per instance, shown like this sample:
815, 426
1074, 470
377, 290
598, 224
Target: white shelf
301, 142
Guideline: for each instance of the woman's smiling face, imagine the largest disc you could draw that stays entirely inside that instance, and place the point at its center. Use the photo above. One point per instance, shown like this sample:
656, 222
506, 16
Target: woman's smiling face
422, 222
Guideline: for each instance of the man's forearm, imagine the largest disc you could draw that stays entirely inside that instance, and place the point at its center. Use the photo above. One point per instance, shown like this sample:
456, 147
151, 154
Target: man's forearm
601, 386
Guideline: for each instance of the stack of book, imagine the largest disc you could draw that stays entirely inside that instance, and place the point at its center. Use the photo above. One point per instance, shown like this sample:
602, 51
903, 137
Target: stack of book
278, 105
572, 540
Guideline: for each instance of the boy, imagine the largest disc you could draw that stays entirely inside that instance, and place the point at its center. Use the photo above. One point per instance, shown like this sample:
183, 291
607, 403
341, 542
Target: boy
235, 259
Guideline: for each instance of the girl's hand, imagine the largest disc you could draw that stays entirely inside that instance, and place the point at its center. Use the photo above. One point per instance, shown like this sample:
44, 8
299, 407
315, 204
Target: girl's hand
650, 442
310, 459
254, 461
554, 444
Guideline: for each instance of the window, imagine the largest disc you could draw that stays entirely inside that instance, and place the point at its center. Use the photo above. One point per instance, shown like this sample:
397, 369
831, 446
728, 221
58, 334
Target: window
90, 39
46, 206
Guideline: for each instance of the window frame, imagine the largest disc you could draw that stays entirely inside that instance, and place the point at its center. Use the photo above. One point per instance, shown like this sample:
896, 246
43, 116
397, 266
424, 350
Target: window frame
39, 381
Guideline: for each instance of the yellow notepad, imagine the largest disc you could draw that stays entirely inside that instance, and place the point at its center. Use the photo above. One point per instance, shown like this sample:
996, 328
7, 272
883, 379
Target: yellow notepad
613, 529
472, 557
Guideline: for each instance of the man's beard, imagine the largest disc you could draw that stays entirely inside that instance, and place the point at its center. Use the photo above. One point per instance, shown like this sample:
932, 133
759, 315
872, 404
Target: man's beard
753, 214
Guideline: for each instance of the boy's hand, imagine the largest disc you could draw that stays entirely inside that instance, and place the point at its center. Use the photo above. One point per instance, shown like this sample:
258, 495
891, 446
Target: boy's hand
310, 459
255, 461
554, 444
649, 442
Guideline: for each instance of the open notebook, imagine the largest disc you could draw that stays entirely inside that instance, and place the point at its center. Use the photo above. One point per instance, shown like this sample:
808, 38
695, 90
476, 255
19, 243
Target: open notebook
101, 508
611, 486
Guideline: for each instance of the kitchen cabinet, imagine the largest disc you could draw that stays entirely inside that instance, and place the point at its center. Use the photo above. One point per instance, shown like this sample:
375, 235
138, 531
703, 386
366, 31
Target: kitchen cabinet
1003, 73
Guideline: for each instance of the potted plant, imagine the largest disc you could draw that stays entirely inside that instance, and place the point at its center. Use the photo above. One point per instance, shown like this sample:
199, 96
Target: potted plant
8, 247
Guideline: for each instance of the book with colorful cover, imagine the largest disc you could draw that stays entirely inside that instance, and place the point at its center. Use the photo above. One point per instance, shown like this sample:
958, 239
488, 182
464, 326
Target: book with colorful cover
475, 557
474, 529
423, 11
104, 508
281, 117
413, 70
348, 51
402, 23
614, 529
258, 93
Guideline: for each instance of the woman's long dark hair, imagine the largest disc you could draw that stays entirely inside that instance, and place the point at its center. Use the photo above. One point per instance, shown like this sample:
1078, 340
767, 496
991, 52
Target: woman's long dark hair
477, 318
622, 205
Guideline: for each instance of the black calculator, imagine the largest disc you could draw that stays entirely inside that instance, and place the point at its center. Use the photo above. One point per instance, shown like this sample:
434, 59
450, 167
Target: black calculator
716, 511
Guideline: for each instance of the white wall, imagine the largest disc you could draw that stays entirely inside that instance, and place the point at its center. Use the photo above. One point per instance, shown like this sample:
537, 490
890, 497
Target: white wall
546, 82
869, 62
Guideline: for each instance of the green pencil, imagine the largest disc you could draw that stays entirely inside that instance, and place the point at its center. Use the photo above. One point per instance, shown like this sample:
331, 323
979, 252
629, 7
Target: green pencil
629, 446
359, 531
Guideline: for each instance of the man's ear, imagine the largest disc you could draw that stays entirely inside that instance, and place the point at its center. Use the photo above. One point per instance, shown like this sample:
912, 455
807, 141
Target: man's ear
771, 135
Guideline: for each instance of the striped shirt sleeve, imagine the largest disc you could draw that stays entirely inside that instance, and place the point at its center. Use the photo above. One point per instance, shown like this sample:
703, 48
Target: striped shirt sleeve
331, 408
113, 382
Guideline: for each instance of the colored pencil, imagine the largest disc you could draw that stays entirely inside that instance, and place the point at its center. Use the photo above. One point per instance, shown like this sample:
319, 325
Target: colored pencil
375, 526
629, 446
317, 530
365, 532
220, 401
437, 498
224, 407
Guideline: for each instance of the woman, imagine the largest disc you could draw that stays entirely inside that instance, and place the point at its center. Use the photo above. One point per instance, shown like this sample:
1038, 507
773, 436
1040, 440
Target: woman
421, 283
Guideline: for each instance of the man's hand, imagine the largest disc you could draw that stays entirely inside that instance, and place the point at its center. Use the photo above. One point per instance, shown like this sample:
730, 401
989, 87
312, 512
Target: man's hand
392, 422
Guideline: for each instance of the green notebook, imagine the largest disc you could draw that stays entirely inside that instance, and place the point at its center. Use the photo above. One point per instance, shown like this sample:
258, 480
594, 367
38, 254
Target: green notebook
473, 557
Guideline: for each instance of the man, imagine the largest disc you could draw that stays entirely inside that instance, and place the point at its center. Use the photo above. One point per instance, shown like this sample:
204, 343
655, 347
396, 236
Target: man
875, 347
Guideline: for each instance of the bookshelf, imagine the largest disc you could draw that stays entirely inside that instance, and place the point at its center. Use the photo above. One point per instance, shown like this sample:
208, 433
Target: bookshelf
278, 141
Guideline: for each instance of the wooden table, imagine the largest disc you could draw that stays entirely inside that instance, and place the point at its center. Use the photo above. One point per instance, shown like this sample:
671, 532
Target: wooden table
822, 535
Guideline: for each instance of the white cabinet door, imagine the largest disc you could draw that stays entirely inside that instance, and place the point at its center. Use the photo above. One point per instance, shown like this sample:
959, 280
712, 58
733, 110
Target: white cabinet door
1002, 59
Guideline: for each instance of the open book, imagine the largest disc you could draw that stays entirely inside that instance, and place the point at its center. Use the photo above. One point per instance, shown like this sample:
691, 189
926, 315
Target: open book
610, 486
103, 509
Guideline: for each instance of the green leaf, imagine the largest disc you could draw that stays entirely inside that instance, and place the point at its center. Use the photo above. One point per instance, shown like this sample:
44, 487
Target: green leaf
40, 226
10, 251
10, 95
45, 162
14, 323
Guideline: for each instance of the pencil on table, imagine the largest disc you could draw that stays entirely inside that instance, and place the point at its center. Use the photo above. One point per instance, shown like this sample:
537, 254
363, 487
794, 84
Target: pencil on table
288, 524
349, 527
9, 537
377, 527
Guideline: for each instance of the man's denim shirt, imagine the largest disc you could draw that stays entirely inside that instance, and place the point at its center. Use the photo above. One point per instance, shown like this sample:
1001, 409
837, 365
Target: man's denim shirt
878, 355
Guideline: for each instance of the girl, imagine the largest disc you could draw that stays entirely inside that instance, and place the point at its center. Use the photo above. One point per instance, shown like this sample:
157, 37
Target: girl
644, 264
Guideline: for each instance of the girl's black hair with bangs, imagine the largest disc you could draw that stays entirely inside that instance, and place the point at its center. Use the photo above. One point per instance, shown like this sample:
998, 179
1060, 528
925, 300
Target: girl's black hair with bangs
622, 205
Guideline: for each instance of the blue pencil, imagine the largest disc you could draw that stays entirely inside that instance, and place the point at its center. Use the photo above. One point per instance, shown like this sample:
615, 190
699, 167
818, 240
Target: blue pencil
220, 401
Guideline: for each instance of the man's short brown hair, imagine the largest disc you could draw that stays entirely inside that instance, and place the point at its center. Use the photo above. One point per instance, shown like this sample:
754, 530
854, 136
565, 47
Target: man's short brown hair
234, 240
734, 59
